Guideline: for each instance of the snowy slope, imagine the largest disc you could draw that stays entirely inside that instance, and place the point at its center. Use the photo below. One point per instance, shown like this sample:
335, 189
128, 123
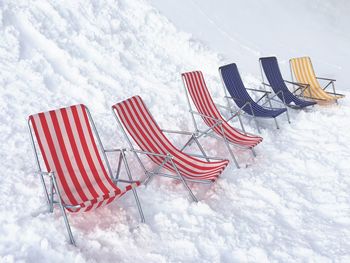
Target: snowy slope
290, 205
243, 31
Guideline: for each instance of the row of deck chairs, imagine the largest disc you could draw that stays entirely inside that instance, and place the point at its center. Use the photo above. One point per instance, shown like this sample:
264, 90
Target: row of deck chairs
78, 175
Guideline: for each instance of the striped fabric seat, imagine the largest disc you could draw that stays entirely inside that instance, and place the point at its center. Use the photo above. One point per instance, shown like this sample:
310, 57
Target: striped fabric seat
146, 133
304, 73
204, 103
234, 85
274, 77
68, 148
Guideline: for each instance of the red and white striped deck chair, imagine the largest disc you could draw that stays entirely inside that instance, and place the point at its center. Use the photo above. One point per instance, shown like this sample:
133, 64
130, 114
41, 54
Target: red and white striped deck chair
195, 85
134, 118
78, 178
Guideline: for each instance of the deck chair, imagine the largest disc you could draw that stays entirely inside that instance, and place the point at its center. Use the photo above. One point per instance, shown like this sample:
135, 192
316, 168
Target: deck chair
238, 93
76, 177
278, 84
206, 108
305, 74
134, 119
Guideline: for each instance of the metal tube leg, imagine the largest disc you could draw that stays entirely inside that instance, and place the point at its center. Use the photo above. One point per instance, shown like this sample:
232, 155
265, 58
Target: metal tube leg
287, 113
253, 152
66, 222
256, 124
229, 149
201, 148
51, 194
336, 101
133, 189
184, 182
188, 143
240, 121
119, 166
276, 123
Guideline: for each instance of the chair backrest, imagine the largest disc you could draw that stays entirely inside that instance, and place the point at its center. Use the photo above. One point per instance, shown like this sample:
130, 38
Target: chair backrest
141, 126
304, 73
274, 76
68, 147
234, 84
195, 84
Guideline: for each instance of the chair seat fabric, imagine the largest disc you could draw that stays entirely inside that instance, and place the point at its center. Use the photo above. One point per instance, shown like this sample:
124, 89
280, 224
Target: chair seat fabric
146, 133
68, 148
304, 73
239, 94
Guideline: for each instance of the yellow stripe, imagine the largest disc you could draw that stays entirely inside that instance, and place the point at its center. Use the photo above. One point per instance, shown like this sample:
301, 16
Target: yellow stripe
304, 73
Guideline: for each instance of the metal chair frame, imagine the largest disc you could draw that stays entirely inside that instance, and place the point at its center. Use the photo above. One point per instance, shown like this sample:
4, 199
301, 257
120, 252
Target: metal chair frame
52, 189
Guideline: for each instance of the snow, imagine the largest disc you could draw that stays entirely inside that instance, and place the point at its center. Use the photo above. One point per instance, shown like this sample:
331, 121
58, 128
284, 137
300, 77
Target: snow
292, 202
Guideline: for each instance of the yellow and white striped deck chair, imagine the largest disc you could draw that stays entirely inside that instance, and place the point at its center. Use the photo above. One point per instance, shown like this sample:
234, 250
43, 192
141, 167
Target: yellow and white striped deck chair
305, 74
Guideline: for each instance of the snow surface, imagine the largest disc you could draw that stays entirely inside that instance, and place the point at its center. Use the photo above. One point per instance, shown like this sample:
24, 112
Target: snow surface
292, 203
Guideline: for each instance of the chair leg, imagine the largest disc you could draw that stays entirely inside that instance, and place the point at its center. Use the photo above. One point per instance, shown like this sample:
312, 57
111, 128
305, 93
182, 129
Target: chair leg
119, 166
63, 211
256, 124
188, 143
228, 148
51, 195
287, 113
201, 148
276, 123
184, 182
253, 152
241, 123
133, 189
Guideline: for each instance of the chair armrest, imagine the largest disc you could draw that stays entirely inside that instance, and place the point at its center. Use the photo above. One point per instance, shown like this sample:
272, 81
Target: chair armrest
205, 116
125, 181
258, 90
266, 84
113, 150
325, 79
150, 153
177, 132
232, 98
297, 83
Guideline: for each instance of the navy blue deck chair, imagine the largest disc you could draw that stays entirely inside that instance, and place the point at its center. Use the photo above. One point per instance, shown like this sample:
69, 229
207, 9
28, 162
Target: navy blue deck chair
239, 94
278, 84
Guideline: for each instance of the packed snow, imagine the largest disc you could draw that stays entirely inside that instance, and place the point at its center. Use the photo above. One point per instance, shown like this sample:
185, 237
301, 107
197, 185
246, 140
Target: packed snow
290, 204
